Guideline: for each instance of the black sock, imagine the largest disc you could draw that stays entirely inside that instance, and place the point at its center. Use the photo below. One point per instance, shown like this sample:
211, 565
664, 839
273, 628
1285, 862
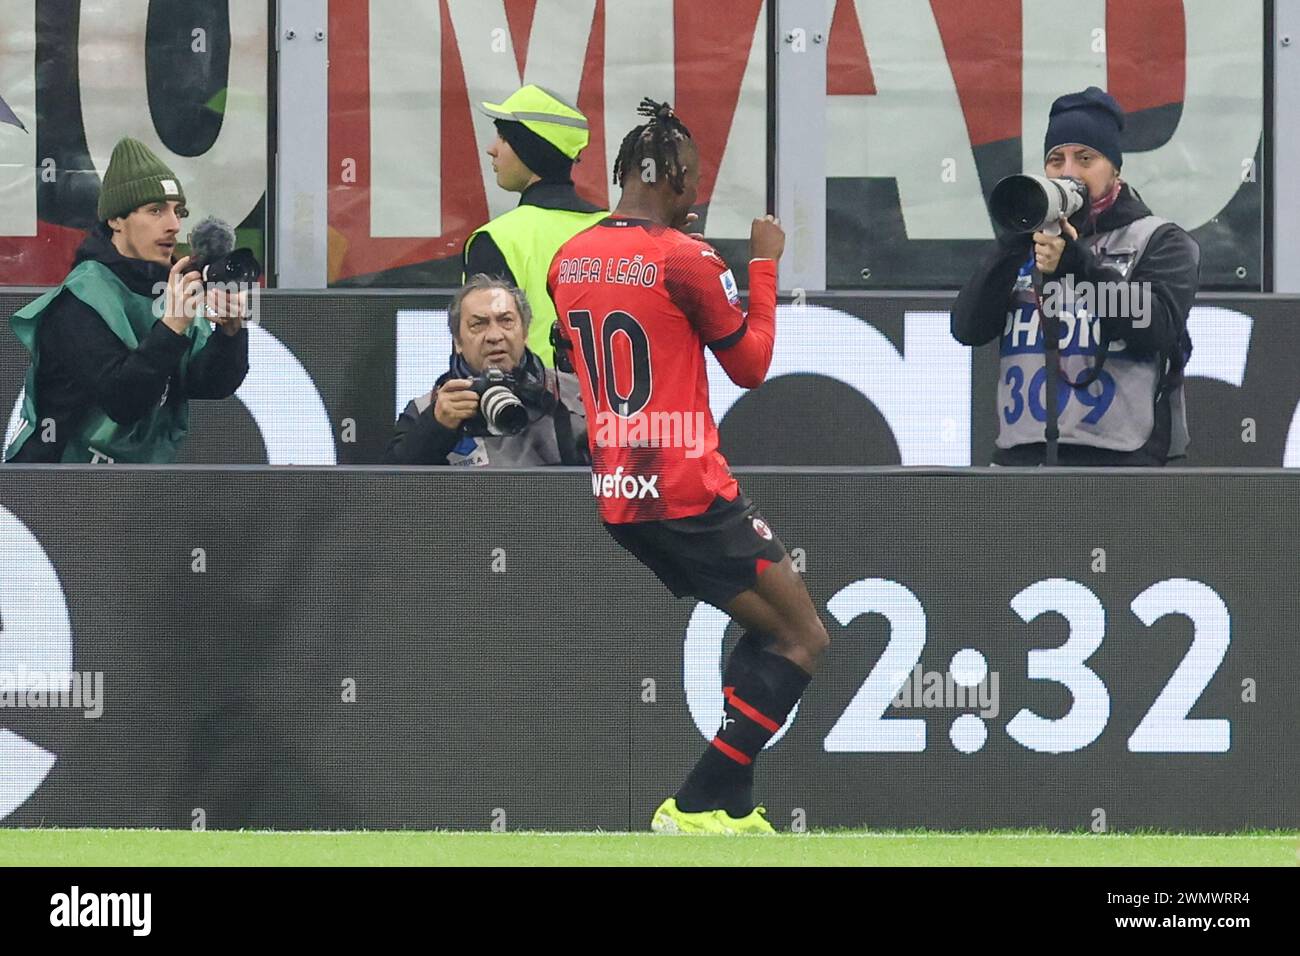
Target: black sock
760, 689
717, 780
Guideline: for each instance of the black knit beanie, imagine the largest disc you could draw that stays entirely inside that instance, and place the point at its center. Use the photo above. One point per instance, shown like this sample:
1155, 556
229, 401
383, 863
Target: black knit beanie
536, 153
1091, 118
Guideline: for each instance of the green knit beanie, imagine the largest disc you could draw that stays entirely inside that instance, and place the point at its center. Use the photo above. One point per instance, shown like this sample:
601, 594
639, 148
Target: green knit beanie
135, 176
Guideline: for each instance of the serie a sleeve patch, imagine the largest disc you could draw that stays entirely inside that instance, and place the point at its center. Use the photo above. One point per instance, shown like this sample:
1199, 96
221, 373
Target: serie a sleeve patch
729, 287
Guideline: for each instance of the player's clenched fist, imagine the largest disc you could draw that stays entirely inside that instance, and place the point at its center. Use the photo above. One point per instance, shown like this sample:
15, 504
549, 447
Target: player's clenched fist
766, 238
456, 402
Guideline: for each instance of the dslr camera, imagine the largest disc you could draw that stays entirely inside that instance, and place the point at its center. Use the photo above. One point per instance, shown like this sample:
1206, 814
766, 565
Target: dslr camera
213, 254
500, 411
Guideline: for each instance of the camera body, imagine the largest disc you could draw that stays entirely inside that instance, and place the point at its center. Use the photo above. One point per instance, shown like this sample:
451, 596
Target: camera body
213, 254
239, 266
500, 410
1024, 203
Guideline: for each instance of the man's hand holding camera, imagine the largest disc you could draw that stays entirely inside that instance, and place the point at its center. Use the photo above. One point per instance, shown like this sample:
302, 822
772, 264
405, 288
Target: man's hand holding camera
184, 289
456, 403
1048, 249
226, 309
187, 298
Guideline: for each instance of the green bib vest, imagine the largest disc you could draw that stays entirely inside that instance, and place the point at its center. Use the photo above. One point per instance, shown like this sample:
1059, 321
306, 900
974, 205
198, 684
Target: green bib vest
529, 237
154, 439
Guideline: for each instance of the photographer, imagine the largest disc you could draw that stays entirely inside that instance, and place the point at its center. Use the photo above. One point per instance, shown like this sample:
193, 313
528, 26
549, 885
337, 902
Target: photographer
113, 364
466, 418
1117, 284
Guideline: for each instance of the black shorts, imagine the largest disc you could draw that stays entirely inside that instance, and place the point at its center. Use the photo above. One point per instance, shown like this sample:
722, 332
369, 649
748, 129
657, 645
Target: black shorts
712, 556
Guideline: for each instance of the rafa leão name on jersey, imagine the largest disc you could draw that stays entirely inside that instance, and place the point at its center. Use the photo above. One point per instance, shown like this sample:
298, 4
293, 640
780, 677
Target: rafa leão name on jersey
623, 271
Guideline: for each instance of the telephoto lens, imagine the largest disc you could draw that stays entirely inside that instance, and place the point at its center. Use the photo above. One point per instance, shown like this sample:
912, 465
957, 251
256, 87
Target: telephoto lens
1024, 203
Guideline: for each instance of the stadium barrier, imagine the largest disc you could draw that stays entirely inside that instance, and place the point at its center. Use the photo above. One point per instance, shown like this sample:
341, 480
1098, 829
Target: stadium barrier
855, 380
365, 648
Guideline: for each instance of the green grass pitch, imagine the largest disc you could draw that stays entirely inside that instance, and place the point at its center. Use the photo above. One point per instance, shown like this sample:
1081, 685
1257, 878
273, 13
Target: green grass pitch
57, 847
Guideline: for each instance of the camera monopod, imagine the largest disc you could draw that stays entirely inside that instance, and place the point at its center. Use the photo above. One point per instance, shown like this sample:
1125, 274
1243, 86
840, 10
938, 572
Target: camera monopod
1051, 330
1050, 326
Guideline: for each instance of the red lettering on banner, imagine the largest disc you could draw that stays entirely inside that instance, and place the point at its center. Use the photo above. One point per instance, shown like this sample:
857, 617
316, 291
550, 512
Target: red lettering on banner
983, 39
590, 172
707, 78
848, 68
519, 16
1146, 46
984, 45
708, 75
464, 199
353, 251
349, 131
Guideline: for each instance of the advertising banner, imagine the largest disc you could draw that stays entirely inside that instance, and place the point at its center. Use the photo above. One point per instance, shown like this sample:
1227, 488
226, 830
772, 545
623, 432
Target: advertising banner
329, 648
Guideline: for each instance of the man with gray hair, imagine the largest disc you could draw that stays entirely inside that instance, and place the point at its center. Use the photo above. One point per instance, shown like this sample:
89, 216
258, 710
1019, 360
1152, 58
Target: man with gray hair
497, 405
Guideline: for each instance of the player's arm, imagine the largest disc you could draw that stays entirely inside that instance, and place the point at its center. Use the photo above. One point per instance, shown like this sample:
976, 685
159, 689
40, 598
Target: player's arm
746, 355
707, 295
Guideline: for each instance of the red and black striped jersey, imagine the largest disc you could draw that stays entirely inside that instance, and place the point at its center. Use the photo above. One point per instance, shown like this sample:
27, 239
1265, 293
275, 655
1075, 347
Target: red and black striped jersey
638, 302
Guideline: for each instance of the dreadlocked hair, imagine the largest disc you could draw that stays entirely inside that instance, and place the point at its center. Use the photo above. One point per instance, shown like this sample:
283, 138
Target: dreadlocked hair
656, 141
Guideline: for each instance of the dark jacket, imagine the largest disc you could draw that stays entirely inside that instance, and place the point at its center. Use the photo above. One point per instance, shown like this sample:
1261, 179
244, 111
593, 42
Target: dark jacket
84, 364
1170, 264
556, 432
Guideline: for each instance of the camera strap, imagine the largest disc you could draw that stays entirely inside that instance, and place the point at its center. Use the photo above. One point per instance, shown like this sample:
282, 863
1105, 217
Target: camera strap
1052, 333
563, 425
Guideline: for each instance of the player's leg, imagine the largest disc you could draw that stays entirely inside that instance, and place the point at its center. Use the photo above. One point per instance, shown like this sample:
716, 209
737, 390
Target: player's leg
657, 548
764, 678
729, 557
780, 607
770, 666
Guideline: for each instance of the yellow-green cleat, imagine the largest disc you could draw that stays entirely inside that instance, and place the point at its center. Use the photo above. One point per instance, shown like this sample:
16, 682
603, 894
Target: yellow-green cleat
755, 822
669, 819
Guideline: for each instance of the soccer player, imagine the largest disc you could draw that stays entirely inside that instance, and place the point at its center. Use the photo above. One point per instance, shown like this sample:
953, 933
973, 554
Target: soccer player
638, 300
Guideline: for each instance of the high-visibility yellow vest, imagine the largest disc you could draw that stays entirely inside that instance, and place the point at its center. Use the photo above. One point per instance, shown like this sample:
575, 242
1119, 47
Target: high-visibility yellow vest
529, 237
